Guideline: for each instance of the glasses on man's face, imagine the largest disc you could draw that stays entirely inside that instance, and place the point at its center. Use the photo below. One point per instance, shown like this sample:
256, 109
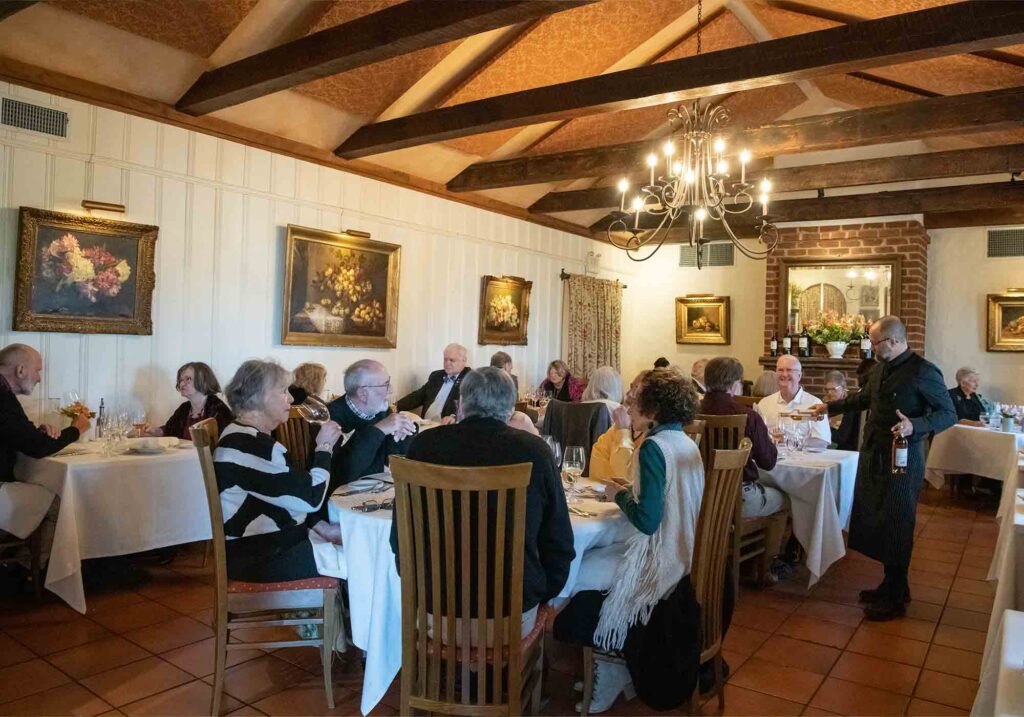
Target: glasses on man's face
880, 341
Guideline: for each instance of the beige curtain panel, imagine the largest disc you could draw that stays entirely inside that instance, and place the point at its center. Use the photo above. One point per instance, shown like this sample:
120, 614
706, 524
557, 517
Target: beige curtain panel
593, 327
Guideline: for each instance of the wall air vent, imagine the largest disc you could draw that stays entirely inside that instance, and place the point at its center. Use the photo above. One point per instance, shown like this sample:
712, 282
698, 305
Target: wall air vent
33, 118
713, 255
1005, 242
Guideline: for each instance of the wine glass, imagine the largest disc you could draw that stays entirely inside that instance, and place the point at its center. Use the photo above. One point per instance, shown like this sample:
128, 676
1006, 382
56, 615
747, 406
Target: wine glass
573, 462
138, 419
556, 449
314, 410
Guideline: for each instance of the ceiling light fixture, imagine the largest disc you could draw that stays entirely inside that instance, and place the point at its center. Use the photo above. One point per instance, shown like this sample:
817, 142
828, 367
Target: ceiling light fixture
691, 181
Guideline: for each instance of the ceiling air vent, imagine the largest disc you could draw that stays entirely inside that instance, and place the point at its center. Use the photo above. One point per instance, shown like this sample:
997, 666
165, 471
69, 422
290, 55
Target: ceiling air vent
713, 255
34, 118
1005, 242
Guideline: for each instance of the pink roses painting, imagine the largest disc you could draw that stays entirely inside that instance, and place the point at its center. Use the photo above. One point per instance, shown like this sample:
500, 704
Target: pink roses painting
93, 272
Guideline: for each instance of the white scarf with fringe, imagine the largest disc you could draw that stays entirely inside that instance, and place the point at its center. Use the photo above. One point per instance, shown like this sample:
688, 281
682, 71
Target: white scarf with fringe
654, 564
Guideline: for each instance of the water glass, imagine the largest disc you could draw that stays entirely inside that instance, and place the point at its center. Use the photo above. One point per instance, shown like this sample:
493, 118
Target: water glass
573, 463
556, 450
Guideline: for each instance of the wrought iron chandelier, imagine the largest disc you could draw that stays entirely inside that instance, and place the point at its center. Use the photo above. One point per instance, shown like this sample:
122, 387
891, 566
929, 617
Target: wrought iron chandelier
692, 181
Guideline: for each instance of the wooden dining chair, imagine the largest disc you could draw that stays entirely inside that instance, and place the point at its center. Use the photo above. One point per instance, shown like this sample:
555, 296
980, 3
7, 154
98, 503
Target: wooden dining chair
746, 400
241, 605
749, 538
10, 547
695, 430
450, 663
297, 438
711, 553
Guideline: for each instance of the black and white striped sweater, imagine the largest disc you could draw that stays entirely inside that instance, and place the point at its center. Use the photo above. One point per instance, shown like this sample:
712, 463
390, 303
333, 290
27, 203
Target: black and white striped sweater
259, 493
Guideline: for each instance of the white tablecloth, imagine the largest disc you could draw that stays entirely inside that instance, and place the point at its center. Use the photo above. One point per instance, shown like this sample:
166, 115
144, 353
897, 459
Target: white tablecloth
375, 590
977, 451
1001, 689
820, 489
116, 506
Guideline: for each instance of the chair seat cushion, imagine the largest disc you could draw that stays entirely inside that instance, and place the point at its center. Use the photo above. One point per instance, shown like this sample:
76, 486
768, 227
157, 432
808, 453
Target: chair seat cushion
526, 643
318, 583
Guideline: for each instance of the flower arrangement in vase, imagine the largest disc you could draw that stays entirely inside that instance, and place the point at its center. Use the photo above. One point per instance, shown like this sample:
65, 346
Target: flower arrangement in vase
835, 331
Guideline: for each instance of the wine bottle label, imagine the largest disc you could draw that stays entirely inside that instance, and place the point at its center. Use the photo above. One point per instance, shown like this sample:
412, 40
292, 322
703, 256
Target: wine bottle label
865, 344
803, 342
901, 458
775, 344
786, 343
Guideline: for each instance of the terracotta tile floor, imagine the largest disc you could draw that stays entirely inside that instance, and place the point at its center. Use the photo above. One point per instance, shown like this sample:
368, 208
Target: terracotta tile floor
791, 652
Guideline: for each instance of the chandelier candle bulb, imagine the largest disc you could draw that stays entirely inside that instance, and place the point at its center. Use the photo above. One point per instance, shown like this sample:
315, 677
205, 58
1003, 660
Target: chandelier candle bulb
744, 158
623, 188
723, 167
764, 204
652, 160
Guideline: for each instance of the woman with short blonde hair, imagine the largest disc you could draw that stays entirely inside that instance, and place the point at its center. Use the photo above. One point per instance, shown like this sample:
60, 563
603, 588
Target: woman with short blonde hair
308, 380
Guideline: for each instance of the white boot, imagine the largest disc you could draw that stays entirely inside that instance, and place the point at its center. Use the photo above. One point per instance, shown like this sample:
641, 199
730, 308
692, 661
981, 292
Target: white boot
610, 679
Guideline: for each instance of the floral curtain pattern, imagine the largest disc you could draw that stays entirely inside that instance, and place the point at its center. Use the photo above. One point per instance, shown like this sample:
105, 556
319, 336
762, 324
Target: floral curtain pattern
593, 331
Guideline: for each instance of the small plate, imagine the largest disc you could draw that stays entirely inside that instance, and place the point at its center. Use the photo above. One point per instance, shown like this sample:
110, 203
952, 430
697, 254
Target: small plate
815, 449
140, 450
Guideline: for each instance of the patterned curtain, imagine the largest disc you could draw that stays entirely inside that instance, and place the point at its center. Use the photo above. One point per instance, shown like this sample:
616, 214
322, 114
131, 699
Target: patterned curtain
593, 327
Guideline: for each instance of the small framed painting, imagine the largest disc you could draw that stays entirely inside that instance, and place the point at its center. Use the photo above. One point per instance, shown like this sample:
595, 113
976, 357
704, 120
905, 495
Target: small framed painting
83, 275
1006, 321
340, 289
504, 310
702, 319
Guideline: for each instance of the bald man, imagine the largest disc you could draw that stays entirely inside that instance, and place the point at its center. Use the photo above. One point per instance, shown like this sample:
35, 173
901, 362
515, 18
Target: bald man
437, 398
23, 505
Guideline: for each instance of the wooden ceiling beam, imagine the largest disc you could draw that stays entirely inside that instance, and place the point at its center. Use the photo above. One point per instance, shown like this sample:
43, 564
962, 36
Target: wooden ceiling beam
1001, 217
935, 32
396, 30
962, 198
1007, 158
9, 7
919, 119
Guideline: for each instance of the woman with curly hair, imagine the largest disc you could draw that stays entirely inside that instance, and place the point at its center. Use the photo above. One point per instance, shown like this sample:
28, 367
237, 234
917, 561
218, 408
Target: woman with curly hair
662, 501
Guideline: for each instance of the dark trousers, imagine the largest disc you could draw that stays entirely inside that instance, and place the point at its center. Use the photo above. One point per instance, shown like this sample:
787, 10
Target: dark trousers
272, 558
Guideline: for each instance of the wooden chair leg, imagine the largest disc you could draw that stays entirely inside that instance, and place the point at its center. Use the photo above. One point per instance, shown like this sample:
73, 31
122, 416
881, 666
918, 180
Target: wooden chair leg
720, 681
219, 664
35, 551
329, 634
588, 680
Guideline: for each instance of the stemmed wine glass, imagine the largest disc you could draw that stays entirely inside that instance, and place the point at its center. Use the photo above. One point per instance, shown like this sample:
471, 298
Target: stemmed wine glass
314, 410
556, 449
573, 463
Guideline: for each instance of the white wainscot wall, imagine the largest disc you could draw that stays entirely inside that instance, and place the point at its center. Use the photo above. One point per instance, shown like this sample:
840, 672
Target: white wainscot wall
222, 209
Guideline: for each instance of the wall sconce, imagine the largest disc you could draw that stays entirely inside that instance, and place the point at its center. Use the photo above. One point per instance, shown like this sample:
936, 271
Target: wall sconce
102, 206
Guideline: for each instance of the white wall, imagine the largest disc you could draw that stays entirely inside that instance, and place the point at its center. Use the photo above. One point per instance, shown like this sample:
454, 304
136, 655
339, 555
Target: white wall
648, 322
222, 209
959, 277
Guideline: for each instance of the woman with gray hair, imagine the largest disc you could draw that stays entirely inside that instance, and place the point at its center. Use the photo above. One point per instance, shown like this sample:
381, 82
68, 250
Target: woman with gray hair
967, 401
605, 385
845, 428
266, 503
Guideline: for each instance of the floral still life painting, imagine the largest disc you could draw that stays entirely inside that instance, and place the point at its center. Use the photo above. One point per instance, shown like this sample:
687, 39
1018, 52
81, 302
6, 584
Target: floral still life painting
83, 274
504, 310
341, 289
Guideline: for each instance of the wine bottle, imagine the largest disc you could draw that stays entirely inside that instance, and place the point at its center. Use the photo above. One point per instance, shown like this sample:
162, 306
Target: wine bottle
865, 347
787, 341
775, 344
805, 344
900, 449
100, 415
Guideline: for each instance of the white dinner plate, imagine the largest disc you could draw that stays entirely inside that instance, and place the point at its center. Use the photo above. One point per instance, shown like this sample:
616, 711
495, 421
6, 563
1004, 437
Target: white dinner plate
147, 450
815, 449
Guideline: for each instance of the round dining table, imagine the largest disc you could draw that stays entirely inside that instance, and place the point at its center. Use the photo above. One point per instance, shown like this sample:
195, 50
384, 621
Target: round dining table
375, 589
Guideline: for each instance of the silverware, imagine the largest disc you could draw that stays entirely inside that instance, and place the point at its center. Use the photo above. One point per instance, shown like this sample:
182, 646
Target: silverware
356, 491
582, 513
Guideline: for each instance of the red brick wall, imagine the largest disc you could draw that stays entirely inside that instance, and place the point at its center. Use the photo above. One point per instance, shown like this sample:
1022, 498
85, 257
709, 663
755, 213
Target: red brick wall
906, 239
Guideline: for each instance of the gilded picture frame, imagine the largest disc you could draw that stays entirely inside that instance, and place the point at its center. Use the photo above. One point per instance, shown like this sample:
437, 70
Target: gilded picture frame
1006, 321
340, 289
504, 310
703, 319
83, 275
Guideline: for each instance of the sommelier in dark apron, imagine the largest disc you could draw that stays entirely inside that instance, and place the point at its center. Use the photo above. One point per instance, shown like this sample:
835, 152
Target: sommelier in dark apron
906, 396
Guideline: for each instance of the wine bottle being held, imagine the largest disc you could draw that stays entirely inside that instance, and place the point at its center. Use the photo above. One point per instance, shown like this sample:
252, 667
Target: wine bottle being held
865, 347
900, 448
787, 341
774, 345
805, 344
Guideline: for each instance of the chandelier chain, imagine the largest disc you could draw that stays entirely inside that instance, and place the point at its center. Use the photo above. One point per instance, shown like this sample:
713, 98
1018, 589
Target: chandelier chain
700, 14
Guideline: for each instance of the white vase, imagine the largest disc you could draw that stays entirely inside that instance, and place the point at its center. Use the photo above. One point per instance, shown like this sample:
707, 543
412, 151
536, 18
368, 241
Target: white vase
836, 349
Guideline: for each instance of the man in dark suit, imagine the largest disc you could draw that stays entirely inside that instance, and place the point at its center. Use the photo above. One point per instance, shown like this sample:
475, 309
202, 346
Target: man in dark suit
906, 396
24, 505
482, 438
437, 398
374, 431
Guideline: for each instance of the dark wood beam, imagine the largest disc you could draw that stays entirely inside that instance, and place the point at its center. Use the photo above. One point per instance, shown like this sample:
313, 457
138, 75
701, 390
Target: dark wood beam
75, 88
834, 15
935, 32
932, 165
9, 7
920, 119
1004, 216
962, 198
397, 30
885, 82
